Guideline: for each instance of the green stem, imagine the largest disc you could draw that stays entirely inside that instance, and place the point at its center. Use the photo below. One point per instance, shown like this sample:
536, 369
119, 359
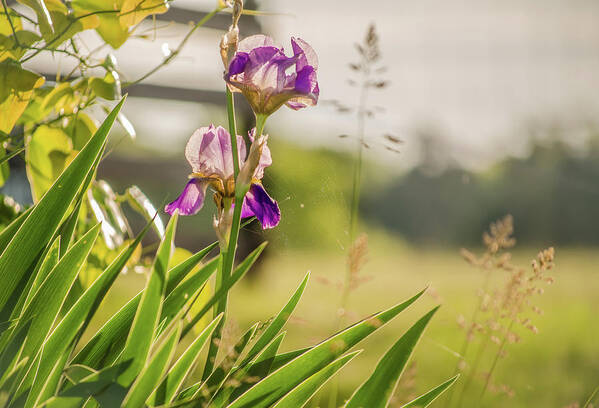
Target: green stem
228, 253
233, 131
12, 27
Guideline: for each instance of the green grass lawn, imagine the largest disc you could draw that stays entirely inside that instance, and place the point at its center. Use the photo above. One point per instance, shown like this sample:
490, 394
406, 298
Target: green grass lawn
554, 368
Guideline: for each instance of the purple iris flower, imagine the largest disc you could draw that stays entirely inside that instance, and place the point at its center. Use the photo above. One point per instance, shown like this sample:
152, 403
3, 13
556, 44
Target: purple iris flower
268, 78
209, 154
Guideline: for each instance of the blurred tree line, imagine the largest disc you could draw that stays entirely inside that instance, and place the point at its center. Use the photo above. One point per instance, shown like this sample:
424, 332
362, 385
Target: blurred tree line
553, 195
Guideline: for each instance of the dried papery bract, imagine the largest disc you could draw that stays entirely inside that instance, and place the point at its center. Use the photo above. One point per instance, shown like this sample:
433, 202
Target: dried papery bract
503, 313
229, 41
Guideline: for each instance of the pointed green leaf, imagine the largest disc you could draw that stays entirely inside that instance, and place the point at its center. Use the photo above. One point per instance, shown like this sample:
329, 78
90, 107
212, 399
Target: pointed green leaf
167, 390
426, 399
177, 273
239, 272
77, 395
150, 376
280, 382
146, 318
256, 371
107, 343
41, 223
80, 313
47, 265
45, 307
301, 394
282, 359
50, 296
187, 290
11, 229
278, 322
377, 391
12, 349
225, 368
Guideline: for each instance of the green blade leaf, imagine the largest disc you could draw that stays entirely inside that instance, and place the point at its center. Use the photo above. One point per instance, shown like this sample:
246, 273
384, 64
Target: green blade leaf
278, 322
187, 290
46, 304
79, 315
11, 229
167, 390
151, 375
41, 223
426, 399
301, 394
256, 371
279, 383
377, 391
76, 395
180, 271
239, 272
226, 367
12, 349
146, 318
108, 342
282, 359
50, 296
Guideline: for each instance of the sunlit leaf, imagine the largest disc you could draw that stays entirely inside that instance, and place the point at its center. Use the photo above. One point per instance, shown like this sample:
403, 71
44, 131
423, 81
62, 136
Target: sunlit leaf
16, 88
152, 374
169, 387
48, 153
301, 394
280, 382
377, 391
426, 399
45, 217
134, 11
147, 316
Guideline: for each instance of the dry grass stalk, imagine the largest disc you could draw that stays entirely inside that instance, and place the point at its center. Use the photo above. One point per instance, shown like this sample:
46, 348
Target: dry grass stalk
503, 312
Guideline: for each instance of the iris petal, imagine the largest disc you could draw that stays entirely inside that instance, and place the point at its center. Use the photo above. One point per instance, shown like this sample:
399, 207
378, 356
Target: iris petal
258, 203
191, 199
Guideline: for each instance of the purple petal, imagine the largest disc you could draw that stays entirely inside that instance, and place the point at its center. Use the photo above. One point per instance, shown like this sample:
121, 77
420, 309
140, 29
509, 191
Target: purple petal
191, 199
305, 80
258, 203
238, 63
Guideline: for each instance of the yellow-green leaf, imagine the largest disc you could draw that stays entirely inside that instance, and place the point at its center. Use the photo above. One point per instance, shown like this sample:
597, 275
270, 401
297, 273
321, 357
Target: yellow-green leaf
48, 153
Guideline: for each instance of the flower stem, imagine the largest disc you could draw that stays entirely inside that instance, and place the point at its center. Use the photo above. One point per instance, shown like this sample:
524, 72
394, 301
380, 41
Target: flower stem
227, 250
233, 131
228, 253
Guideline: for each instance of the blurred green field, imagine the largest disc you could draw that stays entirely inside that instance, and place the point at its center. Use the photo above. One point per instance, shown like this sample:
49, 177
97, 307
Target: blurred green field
554, 368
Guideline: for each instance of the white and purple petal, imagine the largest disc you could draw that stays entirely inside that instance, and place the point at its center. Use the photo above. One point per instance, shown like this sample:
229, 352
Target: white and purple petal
208, 151
258, 203
191, 199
